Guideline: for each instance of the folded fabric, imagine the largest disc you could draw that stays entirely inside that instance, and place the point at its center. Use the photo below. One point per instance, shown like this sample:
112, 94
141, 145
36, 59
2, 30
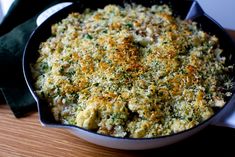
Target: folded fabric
12, 83
15, 31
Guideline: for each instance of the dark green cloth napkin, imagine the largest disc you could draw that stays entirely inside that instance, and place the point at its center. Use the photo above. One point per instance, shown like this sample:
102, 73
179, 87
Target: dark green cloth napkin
15, 31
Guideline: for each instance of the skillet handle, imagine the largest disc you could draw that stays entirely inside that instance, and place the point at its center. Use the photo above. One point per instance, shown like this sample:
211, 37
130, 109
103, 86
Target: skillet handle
50, 11
227, 115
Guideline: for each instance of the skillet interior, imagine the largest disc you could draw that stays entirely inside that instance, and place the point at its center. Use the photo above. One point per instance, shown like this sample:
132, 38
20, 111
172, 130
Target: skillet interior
184, 9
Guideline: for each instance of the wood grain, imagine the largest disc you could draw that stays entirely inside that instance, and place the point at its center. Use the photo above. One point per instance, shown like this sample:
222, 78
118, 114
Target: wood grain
27, 138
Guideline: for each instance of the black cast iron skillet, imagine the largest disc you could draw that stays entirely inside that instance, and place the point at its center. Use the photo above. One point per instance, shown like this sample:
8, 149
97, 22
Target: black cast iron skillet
186, 9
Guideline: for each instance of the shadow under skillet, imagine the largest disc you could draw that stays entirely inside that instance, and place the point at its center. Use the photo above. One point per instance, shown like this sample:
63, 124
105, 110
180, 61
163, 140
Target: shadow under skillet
212, 141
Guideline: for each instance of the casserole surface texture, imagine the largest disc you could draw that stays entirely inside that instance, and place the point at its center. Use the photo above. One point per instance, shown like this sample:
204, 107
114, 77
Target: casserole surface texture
131, 71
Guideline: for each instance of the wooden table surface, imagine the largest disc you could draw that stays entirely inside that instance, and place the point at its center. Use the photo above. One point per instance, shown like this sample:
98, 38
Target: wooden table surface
26, 137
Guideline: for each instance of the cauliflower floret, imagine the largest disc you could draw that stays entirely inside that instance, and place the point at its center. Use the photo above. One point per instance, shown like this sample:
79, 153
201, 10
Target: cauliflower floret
87, 119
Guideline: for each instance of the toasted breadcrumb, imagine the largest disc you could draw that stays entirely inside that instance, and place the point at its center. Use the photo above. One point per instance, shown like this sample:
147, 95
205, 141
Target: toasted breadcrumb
131, 71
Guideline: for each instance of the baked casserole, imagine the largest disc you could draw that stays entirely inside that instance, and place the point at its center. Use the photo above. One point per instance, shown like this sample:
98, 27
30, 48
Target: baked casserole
131, 71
